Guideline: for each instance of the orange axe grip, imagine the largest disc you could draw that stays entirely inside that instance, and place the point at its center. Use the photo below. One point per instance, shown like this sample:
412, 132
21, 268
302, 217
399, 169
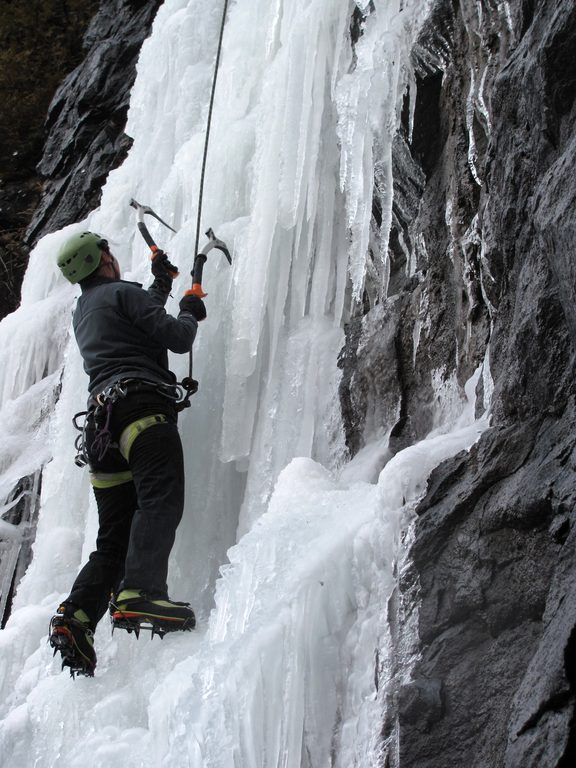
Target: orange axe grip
196, 290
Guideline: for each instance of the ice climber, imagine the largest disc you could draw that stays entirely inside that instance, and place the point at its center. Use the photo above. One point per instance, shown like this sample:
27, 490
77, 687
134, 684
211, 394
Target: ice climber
131, 444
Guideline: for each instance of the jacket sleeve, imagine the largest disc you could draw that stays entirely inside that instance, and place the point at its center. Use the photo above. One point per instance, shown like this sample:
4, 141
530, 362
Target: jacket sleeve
146, 314
160, 290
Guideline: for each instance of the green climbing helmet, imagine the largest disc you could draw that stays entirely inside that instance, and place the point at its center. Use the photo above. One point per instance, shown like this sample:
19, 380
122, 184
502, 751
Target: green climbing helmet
80, 255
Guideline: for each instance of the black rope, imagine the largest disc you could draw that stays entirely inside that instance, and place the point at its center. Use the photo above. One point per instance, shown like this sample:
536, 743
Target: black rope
214, 79
189, 383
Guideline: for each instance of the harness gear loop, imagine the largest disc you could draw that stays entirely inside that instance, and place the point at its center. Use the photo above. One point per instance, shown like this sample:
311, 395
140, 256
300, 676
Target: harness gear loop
106, 399
103, 436
112, 393
81, 458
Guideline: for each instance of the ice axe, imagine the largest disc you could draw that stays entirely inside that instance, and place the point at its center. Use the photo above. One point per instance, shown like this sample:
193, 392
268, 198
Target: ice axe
141, 211
190, 383
200, 260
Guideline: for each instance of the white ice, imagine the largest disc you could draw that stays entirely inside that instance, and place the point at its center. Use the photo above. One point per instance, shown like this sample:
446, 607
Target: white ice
286, 551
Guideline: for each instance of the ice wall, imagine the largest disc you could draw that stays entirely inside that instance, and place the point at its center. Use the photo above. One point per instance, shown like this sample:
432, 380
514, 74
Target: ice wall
283, 672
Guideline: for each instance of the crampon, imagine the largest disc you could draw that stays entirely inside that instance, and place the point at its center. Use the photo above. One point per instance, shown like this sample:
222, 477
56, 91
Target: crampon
75, 642
134, 611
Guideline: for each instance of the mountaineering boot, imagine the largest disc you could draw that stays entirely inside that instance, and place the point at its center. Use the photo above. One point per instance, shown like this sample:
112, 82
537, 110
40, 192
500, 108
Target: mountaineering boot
133, 609
71, 633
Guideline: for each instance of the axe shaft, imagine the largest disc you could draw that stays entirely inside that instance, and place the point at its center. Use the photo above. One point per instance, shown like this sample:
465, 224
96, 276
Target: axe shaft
200, 260
143, 229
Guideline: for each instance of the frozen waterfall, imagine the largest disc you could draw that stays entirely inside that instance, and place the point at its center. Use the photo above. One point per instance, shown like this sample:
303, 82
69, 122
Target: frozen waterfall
286, 552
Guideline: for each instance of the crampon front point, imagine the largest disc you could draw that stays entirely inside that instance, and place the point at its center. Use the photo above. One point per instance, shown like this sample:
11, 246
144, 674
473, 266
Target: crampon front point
62, 639
160, 617
155, 626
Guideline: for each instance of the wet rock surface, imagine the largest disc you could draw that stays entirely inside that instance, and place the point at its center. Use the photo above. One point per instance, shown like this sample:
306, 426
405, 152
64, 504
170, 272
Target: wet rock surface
485, 210
86, 119
52, 173
40, 43
494, 553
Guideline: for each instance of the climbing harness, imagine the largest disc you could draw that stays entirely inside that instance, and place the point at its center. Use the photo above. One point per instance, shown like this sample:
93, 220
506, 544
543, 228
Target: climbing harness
104, 403
99, 413
131, 432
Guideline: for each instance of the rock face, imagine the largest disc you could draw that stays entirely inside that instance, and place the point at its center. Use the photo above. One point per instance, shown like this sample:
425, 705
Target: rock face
41, 41
85, 124
486, 212
53, 176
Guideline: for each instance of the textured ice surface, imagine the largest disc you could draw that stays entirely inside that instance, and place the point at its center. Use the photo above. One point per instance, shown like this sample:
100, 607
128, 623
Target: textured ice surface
281, 669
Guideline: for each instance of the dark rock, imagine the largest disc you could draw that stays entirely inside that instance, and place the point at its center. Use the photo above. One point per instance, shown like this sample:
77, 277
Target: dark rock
543, 706
434, 326
482, 267
495, 547
40, 43
420, 703
85, 138
370, 391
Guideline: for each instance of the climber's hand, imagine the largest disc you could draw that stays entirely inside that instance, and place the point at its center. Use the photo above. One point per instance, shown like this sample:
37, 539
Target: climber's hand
194, 305
161, 266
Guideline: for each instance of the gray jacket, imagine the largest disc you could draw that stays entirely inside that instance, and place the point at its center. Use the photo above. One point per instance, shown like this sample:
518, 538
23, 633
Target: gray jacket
124, 332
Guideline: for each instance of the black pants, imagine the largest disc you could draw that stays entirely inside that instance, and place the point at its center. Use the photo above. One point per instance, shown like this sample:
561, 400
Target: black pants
139, 516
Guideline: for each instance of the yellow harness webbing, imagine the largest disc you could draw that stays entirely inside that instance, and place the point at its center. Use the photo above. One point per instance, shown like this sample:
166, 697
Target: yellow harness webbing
136, 428
109, 479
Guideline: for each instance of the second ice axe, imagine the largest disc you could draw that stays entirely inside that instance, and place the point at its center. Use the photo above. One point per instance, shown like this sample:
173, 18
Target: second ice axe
141, 210
200, 260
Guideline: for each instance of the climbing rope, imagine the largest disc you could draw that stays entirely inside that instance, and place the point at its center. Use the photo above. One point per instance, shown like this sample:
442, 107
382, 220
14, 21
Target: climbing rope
214, 79
190, 384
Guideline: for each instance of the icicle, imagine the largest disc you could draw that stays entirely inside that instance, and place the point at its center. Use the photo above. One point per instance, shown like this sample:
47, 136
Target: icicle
369, 102
470, 111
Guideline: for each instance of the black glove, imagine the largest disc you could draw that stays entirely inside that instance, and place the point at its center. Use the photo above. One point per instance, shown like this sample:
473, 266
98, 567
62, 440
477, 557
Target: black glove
161, 266
194, 305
